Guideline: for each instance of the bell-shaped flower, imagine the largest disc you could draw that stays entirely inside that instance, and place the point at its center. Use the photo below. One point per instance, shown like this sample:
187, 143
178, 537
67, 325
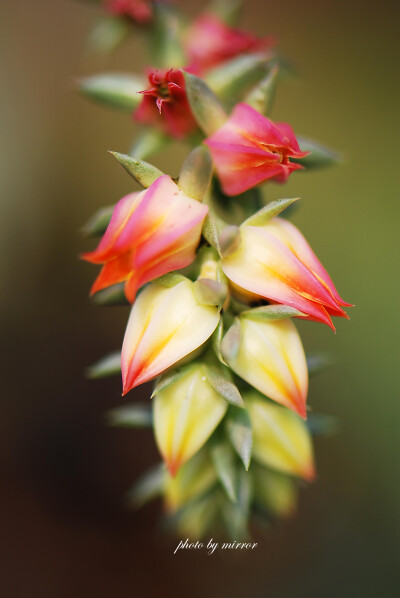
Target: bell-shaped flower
275, 262
165, 104
269, 355
185, 415
139, 11
150, 234
209, 42
165, 325
249, 149
281, 439
192, 481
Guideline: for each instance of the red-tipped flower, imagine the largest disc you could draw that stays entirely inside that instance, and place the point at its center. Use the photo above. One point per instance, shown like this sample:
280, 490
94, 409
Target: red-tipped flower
249, 149
275, 262
209, 42
150, 234
138, 10
165, 104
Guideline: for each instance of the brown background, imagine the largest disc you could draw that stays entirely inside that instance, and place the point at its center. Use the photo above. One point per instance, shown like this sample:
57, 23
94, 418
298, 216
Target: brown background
62, 471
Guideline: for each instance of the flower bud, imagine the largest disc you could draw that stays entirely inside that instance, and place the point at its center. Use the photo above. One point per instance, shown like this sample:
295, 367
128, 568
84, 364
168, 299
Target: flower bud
274, 491
165, 325
150, 234
249, 149
275, 262
193, 479
269, 356
185, 415
209, 42
140, 11
281, 440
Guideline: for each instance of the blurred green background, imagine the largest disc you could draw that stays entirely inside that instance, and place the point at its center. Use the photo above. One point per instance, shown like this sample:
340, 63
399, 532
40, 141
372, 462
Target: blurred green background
62, 471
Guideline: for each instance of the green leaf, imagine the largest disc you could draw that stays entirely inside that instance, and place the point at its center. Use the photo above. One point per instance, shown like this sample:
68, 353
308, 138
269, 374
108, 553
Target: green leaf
274, 208
150, 142
148, 487
195, 175
318, 362
210, 231
322, 425
206, 107
169, 280
110, 365
227, 10
108, 34
111, 296
167, 380
216, 340
166, 35
143, 172
231, 342
319, 156
236, 516
239, 431
116, 90
234, 76
271, 313
223, 460
261, 97
130, 416
222, 384
98, 223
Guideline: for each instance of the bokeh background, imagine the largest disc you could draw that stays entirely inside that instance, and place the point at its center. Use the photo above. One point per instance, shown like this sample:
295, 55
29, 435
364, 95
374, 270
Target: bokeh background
62, 471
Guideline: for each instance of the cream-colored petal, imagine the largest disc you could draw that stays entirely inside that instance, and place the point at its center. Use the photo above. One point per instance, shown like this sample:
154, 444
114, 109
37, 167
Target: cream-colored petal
185, 415
281, 440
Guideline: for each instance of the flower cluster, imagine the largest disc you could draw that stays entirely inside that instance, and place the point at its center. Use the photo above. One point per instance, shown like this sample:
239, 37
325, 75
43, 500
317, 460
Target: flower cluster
215, 276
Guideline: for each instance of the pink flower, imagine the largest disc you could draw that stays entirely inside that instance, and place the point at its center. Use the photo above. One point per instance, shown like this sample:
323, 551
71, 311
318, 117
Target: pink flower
209, 41
165, 104
275, 262
138, 10
150, 234
249, 149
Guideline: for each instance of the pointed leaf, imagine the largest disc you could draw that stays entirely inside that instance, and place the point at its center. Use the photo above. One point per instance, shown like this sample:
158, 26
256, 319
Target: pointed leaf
170, 279
262, 96
322, 425
271, 313
111, 296
167, 380
224, 463
108, 34
130, 416
98, 223
150, 142
166, 36
224, 386
319, 155
236, 516
206, 107
227, 10
117, 90
216, 340
239, 431
195, 175
274, 208
210, 231
147, 488
143, 172
318, 362
110, 365
233, 77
